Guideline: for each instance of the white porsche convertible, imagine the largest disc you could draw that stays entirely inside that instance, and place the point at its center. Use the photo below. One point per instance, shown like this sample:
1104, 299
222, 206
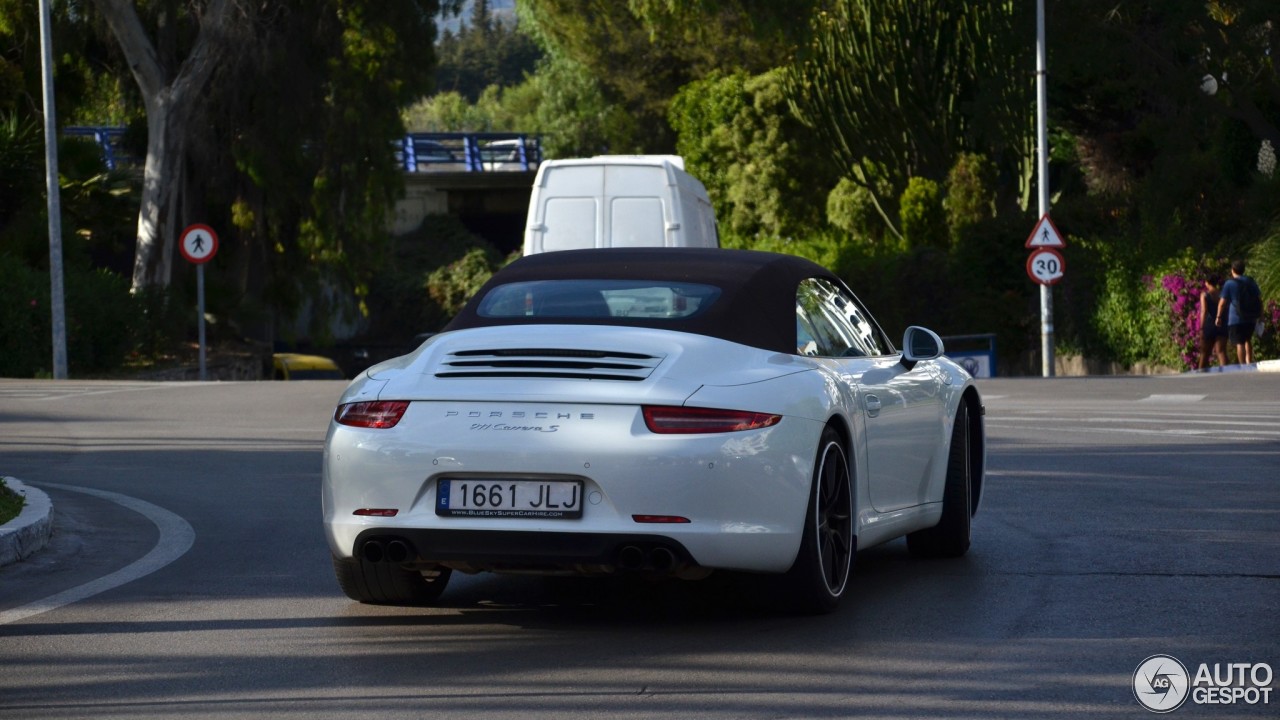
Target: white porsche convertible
670, 411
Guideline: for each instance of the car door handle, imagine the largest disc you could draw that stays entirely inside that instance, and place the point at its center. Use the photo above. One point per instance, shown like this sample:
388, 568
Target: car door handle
873, 405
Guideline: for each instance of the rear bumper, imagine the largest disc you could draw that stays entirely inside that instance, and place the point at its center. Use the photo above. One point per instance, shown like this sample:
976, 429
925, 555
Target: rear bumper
744, 494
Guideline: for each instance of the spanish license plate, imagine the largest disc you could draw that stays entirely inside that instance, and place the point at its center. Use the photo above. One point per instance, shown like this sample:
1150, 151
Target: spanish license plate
537, 499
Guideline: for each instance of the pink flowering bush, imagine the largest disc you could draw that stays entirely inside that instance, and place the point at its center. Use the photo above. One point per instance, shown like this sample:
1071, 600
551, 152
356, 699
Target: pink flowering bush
1184, 310
1267, 347
1177, 295
1175, 298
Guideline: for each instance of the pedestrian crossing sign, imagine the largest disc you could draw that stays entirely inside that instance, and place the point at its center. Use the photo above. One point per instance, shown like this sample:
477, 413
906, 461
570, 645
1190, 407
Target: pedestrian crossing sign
1045, 235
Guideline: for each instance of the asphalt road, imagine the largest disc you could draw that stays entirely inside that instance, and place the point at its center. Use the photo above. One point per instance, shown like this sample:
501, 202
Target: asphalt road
188, 577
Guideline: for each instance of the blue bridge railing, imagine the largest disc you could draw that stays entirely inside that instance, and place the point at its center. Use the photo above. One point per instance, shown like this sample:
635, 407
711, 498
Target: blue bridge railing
109, 140
416, 152
470, 152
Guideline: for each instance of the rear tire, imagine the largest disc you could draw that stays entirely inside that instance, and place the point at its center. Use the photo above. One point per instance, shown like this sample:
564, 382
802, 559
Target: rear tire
820, 574
950, 537
387, 583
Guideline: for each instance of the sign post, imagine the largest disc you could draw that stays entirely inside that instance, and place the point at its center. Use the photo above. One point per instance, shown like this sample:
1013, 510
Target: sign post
198, 245
1042, 187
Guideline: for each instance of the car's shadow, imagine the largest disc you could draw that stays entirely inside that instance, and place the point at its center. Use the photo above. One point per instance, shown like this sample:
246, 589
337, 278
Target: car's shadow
724, 596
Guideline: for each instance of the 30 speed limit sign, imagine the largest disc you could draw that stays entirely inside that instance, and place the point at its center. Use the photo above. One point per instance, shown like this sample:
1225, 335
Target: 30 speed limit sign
1046, 266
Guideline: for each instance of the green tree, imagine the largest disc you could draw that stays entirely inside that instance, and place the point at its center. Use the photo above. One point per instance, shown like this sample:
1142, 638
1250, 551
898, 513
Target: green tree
970, 193
567, 104
483, 53
701, 115
1217, 54
562, 102
728, 35
899, 88
737, 134
1174, 137
305, 193
1264, 263
77, 90
170, 80
851, 209
78, 58
924, 222
450, 112
636, 56
602, 40
272, 122
21, 167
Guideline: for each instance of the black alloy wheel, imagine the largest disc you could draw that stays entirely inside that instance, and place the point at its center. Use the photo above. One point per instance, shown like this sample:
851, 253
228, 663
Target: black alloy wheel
950, 537
820, 575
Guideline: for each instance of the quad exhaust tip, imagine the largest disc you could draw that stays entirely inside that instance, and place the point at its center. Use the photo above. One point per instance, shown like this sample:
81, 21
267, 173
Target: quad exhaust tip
393, 551
398, 551
374, 551
657, 559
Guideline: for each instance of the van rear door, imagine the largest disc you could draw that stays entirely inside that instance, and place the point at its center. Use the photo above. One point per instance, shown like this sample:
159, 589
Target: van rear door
638, 207
636, 222
570, 224
571, 208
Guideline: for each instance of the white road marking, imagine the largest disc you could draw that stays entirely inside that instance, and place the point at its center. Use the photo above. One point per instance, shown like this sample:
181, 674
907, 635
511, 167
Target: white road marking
1172, 398
176, 538
1235, 434
63, 391
1248, 423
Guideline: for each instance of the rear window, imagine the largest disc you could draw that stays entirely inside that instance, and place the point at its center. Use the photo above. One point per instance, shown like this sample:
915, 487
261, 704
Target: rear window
637, 299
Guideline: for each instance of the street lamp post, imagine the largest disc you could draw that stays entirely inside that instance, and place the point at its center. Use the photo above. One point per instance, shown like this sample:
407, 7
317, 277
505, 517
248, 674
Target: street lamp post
57, 303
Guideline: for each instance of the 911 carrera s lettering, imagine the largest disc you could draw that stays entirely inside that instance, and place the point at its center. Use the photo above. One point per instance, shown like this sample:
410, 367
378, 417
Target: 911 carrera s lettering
524, 428
510, 498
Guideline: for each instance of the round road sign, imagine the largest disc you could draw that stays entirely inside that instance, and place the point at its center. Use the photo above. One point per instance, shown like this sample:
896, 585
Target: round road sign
198, 243
1046, 266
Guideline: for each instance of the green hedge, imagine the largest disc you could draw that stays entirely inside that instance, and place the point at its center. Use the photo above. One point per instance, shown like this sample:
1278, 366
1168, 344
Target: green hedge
104, 323
25, 320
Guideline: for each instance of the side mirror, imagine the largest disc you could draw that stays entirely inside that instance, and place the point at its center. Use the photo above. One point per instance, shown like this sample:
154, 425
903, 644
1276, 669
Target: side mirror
920, 344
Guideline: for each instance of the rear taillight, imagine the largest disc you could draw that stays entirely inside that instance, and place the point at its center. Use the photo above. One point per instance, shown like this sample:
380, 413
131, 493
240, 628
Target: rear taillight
666, 420
380, 414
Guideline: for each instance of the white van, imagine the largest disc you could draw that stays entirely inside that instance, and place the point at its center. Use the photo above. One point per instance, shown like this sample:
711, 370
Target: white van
618, 201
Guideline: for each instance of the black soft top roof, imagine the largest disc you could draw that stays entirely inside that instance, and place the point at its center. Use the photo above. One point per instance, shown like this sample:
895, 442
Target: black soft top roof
756, 306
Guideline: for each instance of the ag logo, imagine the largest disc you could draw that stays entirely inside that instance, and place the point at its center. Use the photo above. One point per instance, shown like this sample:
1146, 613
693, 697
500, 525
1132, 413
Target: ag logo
1161, 683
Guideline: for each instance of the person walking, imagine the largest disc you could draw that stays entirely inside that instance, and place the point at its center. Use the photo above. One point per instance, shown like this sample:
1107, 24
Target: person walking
1239, 307
1213, 339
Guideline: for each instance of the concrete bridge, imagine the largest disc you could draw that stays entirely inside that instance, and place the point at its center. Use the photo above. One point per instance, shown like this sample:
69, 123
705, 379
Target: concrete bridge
483, 179
492, 205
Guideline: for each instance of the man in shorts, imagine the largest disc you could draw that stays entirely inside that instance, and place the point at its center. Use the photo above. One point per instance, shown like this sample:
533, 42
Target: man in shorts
1239, 294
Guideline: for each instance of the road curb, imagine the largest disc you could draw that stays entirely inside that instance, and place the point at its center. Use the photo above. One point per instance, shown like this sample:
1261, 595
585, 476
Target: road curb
1269, 366
24, 535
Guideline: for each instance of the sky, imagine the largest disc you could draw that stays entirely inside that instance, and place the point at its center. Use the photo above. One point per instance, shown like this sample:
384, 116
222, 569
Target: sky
503, 8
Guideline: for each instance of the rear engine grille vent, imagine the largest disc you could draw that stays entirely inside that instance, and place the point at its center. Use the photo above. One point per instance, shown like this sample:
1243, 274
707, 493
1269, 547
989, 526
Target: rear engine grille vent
548, 363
